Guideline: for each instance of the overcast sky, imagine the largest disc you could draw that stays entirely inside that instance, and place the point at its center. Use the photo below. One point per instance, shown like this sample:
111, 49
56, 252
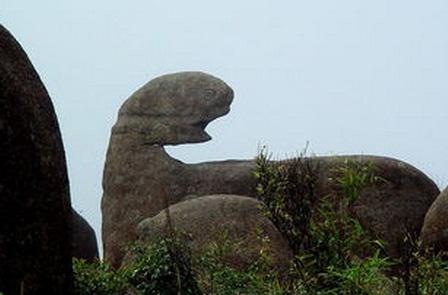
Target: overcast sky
347, 76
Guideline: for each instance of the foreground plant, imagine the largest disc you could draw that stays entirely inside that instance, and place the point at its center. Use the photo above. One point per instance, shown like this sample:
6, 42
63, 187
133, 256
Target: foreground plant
333, 252
98, 278
217, 276
163, 267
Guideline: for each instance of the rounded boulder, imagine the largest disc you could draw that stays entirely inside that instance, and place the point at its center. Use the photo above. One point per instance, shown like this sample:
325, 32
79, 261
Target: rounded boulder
209, 219
435, 227
84, 243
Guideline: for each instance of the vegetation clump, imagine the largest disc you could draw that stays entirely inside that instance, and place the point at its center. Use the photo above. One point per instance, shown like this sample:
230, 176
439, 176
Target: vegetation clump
167, 267
98, 278
333, 253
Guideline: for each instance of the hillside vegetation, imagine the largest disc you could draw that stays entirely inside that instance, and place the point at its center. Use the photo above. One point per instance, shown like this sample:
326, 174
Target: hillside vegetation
333, 253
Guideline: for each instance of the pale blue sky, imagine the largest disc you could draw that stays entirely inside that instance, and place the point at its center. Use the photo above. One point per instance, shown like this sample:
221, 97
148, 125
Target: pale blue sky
348, 76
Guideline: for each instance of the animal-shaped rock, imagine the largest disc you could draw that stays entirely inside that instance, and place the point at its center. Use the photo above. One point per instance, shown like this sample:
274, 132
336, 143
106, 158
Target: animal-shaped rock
223, 219
435, 228
140, 178
84, 244
35, 250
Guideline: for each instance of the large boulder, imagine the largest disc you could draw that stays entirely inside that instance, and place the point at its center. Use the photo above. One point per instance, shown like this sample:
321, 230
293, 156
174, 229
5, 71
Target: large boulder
435, 228
390, 207
84, 243
35, 250
207, 219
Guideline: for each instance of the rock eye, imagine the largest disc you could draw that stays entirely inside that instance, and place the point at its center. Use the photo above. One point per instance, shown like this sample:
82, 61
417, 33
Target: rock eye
209, 93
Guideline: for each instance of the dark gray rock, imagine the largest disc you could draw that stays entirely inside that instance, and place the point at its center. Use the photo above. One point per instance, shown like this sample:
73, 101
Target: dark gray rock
435, 228
207, 219
35, 208
140, 178
84, 243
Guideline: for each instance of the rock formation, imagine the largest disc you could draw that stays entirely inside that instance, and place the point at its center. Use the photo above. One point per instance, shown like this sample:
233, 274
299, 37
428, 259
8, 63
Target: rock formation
390, 207
84, 244
140, 178
35, 253
237, 218
435, 228
171, 109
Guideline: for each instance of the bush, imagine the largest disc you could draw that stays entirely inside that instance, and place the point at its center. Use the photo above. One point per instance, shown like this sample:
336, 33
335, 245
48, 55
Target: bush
98, 278
166, 267
421, 270
217, 277
328, 242
163, 267
431, 273
334, 254
287, 190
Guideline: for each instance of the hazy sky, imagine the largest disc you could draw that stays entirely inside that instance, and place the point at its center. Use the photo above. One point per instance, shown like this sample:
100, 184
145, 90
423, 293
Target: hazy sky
348, 76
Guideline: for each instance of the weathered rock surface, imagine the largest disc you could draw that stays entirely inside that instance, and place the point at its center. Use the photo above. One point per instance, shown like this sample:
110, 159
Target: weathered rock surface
84, 243
138, 173
208, 219
435, 228
140, 178
35, 208
391, 206
397, 202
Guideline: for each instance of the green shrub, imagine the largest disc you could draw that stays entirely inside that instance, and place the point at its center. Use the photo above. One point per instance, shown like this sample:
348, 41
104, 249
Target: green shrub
329, 243
98, 278
166, 267
334, 254
287, 190
163, 267
421, 271
432, 273
216, 276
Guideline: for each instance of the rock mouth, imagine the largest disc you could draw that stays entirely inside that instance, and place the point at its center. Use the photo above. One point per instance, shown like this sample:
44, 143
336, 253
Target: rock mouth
201, 124
197, 132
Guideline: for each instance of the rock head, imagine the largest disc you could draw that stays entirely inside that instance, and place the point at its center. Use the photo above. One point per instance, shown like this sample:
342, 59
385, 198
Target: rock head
175, 108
